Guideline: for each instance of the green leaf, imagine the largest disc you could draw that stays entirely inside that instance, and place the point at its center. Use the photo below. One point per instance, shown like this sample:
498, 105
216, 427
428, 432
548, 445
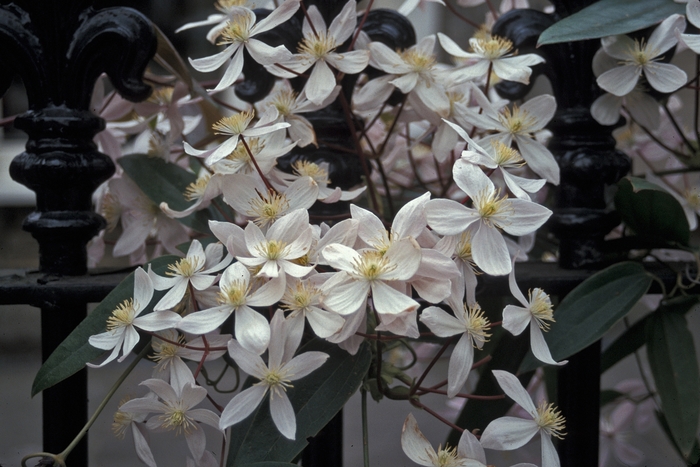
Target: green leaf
674, 365
316, 399
651, 212
608, 18
163, 181
589, 310
635, 336
75, 351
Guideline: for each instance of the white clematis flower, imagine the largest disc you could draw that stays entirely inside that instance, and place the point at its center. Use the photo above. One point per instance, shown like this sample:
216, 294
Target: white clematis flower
508, 433
275, 377
637, 57
537, 312
121, 331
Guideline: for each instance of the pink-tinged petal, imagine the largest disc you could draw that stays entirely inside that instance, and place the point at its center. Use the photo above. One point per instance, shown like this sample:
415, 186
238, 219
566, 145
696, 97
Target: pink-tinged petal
249, 361
460, 365
341, 257
415, 445
664, 36
539, 346
618, 47
324, 323
157, 321
205, 321
283, 414
432, 95
620, 80
542, 108
470, 447
515, 390
349, 62
279, 332
278, 16
508, 433
406, 82
267, 55
242, 405
214, 62
664, 77
387, 60
316, 19
373, 93
143, 450
516, 319
606, 109
526, 217
205, 416
451, 47
252, 329
320, 83
162, 389
229, 233
369, 228
411, 220
405, 255
268, 294
304, 364
448, 217
490, 252
550, 458
143, 290
180, 374
233, 71
192, 395
343, 25
345, 295
174, 295
471, 179
390, 301
196, 441
538, 158
441, 323
254, 238
131, 338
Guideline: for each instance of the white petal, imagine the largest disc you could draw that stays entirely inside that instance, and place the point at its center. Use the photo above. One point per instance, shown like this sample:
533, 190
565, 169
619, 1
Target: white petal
448, 217
242, 405
143, 289
320, 83
620, 80
251, 329
249, 361
213, 62
516, 319
283, 414
550, 458
461, 362
539, 346
664, 37
490, 251
515, 390
441, 323
606, 109
508, 433
196, 441
415, 445
304, 364
388, 300
664, 77
157, 321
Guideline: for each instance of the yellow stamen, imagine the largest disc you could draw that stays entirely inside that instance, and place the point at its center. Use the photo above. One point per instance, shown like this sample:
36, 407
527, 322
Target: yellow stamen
196, 189
491, 47
541, 308
318, 45
123, 315
507, 156
371, 264
234, 124
186, 267
550, 420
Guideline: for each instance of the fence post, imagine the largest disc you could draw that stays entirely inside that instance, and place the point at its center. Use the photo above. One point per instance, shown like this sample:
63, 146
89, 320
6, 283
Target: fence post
59, 48
589, 163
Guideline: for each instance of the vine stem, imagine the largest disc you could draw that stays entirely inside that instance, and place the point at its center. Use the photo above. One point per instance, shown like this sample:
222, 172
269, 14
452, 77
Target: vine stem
61, 457
430, 366
257, 167
365, 431
420, 405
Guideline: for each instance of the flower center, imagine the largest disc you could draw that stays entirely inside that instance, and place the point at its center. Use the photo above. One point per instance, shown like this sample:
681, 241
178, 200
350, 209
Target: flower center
237, 30
541, 308
234, 124
225, 5
506, 156
550, 420
273, 249
300, 298
317, 45
196, 189
693, 197
123, 315
490, 205
310, 169
491, 47
265, 210
111, 210
277, 381
517, 121
372, 264
235, 294
285, 101
464, 249
639, 55
121, 420
176, 419
162, 96
477, 324
186, 267
418, 61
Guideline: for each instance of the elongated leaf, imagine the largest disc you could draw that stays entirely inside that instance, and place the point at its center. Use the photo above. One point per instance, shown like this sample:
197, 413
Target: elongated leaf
694, 456
608, 18
75, 351
166, 182
635, 337
675, 368
651, 212
589, 310
316, 399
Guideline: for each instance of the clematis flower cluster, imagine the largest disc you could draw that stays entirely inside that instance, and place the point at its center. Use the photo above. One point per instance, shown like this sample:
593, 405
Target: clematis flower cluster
270, 234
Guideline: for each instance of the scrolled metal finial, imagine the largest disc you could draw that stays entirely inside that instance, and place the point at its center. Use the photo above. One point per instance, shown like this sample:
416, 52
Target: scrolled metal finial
59, 49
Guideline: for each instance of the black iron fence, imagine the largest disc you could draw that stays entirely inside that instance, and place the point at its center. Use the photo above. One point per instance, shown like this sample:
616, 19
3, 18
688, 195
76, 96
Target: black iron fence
59, 48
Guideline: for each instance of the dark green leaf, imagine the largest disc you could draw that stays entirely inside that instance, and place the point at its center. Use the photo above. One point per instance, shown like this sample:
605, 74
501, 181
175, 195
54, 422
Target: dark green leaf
634, 337
162, 181
608, 18
694, 455
75, 351
589, 310
651, 212
674, 365
316, 399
